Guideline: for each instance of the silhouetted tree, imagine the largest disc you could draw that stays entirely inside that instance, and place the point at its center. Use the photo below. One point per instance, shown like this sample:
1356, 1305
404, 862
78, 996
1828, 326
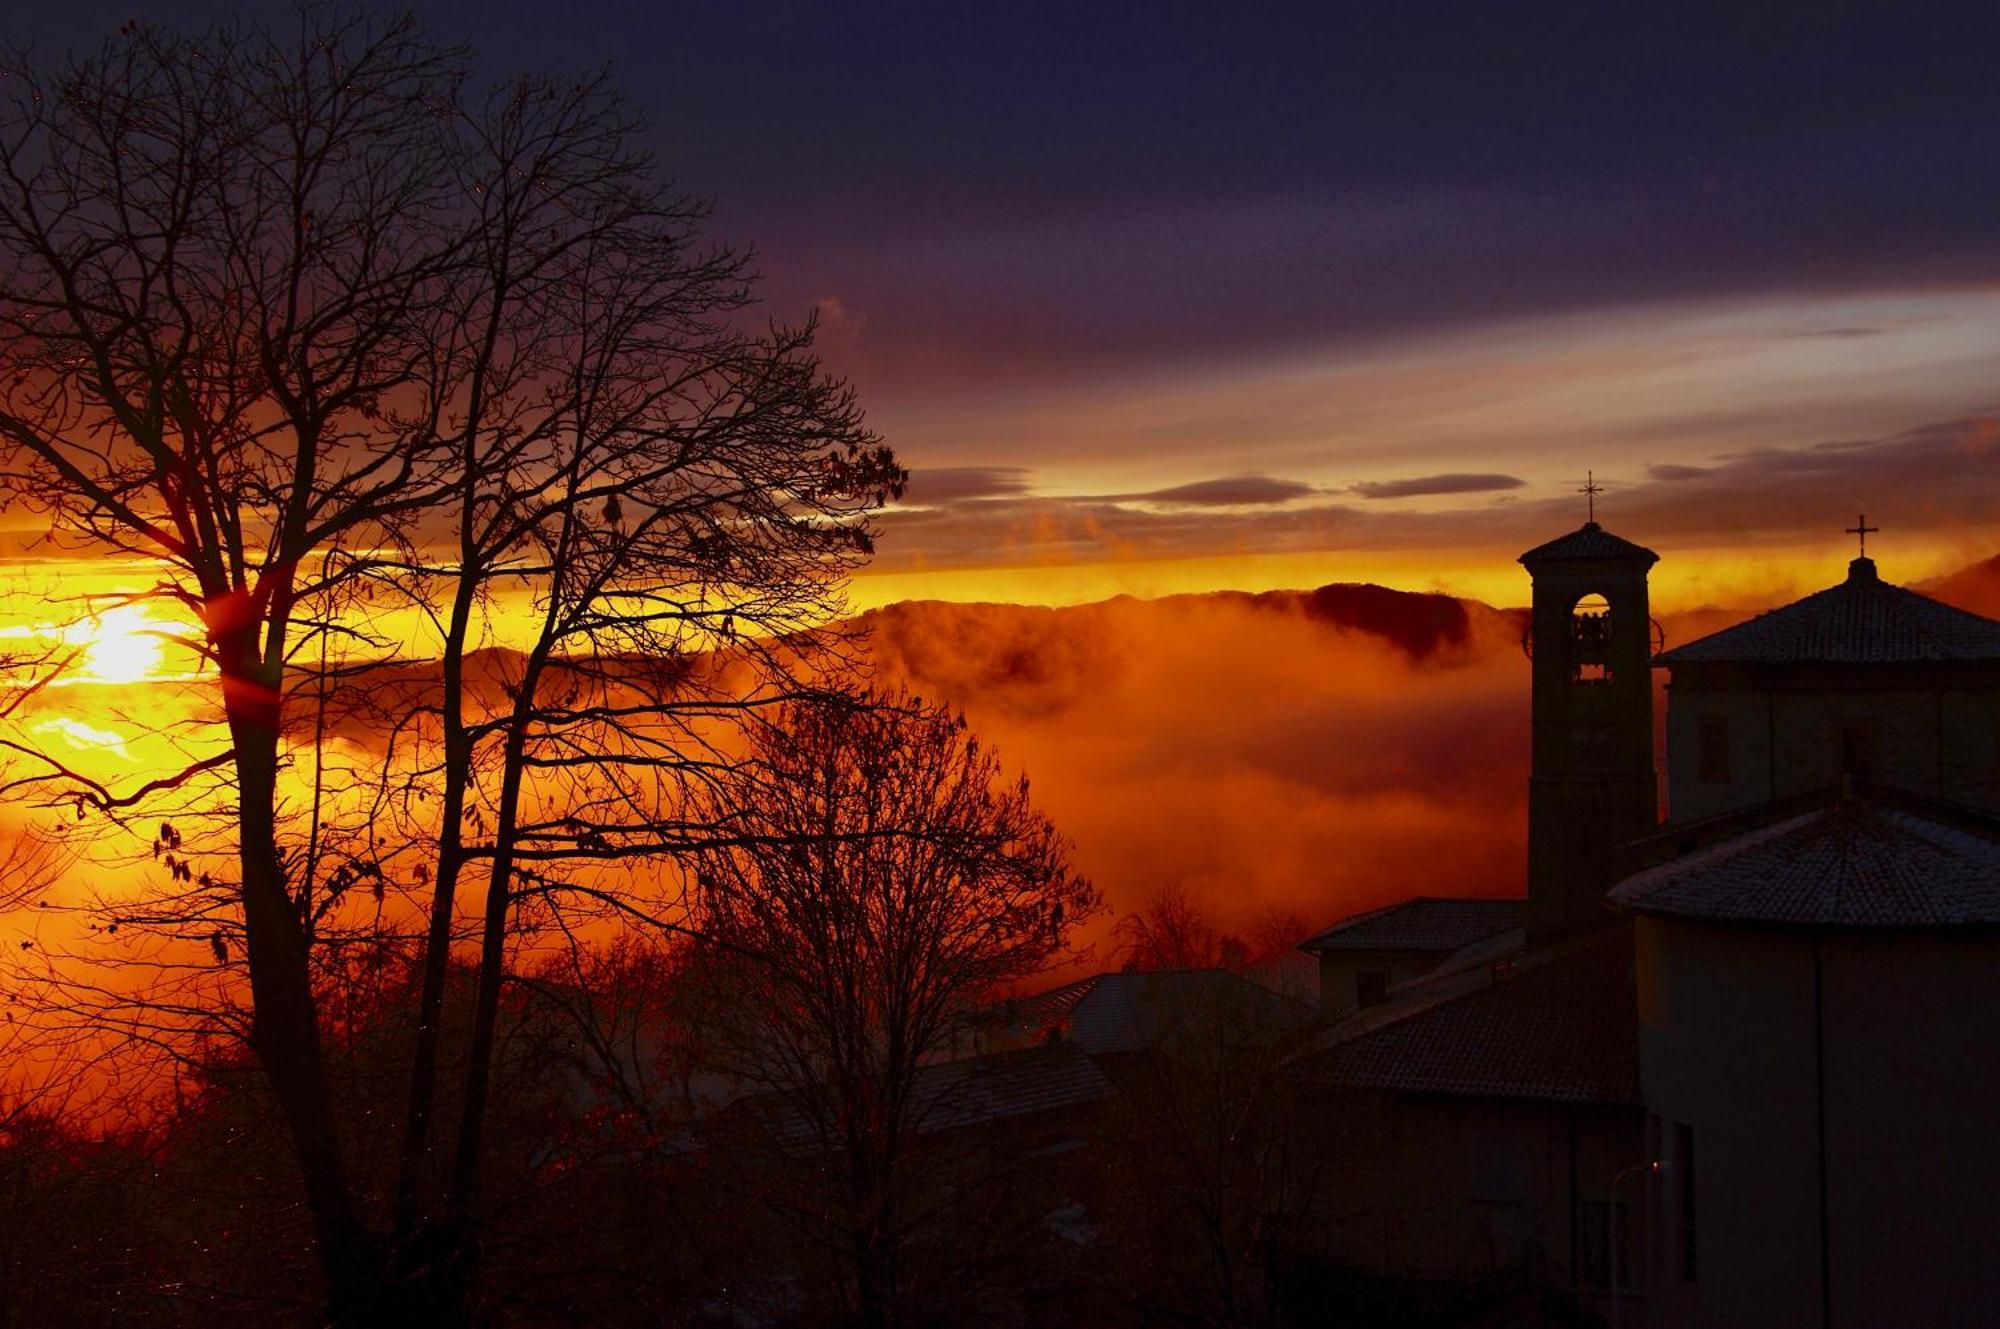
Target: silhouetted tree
319, 335
884, 882
1214, 1162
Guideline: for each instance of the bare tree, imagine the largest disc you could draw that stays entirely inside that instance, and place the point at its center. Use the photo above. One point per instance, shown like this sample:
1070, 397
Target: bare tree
1214, 1163
322, 337
885, 882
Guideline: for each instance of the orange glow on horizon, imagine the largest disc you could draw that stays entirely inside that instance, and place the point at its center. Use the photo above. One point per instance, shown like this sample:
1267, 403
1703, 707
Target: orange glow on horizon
1732, 576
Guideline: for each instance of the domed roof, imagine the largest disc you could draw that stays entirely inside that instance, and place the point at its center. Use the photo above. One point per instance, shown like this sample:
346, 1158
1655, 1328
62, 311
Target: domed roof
1853, 863
1863, 620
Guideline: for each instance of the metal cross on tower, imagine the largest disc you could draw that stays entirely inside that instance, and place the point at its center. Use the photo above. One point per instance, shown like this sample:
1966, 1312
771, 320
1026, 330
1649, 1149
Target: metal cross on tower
1864, 530
1591, 489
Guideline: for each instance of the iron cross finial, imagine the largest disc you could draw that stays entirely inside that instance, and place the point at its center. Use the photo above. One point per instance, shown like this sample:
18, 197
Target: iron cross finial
1591, 489
1862, 529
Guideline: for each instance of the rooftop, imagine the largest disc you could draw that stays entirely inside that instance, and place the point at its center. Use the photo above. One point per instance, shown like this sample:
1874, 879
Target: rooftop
1558, 1026
1587, 543
1852, 863
1426, 923
950, 1095
1863, 620
1133, 1010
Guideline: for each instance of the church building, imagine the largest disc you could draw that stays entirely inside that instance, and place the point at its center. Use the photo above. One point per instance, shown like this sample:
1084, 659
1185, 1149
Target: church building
1729, 1062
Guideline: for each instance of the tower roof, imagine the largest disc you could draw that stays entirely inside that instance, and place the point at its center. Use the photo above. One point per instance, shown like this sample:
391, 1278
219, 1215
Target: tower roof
1588, 543
1863, 620
1851, 863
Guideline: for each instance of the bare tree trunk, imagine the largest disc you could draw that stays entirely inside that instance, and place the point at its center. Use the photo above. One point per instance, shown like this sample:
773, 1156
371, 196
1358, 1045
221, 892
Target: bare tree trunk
284, 1029
493, 951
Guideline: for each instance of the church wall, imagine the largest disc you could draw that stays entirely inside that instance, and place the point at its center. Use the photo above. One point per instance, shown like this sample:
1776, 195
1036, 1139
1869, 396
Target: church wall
1745, 779
1464, 1190
1913, 1079
1972, 747
1795, 739
1726, 1050
1739, 1030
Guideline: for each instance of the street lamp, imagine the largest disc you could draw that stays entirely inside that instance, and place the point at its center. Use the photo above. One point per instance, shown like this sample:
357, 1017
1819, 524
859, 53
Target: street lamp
1617, 1251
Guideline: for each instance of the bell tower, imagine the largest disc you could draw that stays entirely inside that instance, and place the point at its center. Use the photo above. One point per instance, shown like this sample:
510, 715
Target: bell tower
1592, 787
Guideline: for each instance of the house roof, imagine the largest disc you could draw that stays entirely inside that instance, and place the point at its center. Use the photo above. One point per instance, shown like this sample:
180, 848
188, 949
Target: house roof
1588, 543
1426, 923
1863, 620
1852, 863
949, 1095
1133, 1010
1560, 1027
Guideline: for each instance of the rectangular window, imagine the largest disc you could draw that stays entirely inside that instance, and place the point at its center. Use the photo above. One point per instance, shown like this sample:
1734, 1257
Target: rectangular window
1371, 987
1683, 1162
1599, 1244
1861, 751
1496, 1166
1715, 749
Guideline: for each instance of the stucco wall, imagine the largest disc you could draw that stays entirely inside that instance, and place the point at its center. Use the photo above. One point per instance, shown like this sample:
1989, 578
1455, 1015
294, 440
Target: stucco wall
1460, 1189
1339, 973
1787, 740
1737, 1040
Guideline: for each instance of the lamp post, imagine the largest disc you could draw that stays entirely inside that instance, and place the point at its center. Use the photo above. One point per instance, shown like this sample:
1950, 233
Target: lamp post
1617, 1251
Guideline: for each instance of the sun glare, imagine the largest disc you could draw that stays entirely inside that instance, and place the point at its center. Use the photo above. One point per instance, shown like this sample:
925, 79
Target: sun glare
121, 645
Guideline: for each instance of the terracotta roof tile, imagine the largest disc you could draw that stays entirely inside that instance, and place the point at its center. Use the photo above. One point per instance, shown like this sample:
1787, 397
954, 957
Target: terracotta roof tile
1853, 863
1863, 620
1426, 923
1587, 542
1562, 1027
950, 1095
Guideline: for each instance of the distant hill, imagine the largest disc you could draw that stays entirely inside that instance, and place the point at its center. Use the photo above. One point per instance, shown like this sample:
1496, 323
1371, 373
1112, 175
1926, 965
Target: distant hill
1975, 588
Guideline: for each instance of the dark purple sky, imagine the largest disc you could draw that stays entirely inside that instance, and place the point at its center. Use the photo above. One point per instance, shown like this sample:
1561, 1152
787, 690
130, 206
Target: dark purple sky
1081, 256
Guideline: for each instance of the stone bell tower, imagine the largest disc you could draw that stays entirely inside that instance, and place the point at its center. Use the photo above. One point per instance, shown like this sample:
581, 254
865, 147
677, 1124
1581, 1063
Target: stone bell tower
1592, 787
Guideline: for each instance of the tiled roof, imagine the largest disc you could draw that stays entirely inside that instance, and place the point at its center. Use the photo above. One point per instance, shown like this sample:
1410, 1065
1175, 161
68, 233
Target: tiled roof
949, 1095
969, 1092
1587, 542
1850, 864
1133, 1010
1427, 923
1863, 620
1561, 1027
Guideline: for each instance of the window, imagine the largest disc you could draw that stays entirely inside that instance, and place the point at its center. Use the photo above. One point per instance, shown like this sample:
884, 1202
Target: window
1496, 1165
1684, 1175
1371, 987
1598, 1243
1715, 749
1860, 751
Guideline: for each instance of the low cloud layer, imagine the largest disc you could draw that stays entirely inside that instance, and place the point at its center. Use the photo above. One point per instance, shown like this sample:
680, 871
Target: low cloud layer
1304, 751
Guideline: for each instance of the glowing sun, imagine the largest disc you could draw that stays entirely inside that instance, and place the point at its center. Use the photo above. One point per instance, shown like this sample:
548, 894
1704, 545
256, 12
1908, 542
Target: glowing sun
121, 645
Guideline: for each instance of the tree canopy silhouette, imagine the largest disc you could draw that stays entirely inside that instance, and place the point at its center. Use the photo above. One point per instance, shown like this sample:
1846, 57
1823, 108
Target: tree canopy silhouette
329, 339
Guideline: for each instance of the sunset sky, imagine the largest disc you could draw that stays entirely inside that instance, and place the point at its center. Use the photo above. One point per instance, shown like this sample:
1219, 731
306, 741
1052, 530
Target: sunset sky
1161, 298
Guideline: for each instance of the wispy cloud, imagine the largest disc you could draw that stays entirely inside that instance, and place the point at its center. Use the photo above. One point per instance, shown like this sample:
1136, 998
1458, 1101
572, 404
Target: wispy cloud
1229, 491
941, 486
1425, 485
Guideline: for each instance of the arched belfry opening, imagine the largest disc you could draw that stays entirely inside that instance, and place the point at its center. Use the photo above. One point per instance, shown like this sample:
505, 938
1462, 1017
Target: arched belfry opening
1590, 640
1593, 786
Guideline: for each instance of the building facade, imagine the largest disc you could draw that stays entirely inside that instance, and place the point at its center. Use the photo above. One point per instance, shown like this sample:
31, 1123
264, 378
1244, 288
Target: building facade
1752, 1040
